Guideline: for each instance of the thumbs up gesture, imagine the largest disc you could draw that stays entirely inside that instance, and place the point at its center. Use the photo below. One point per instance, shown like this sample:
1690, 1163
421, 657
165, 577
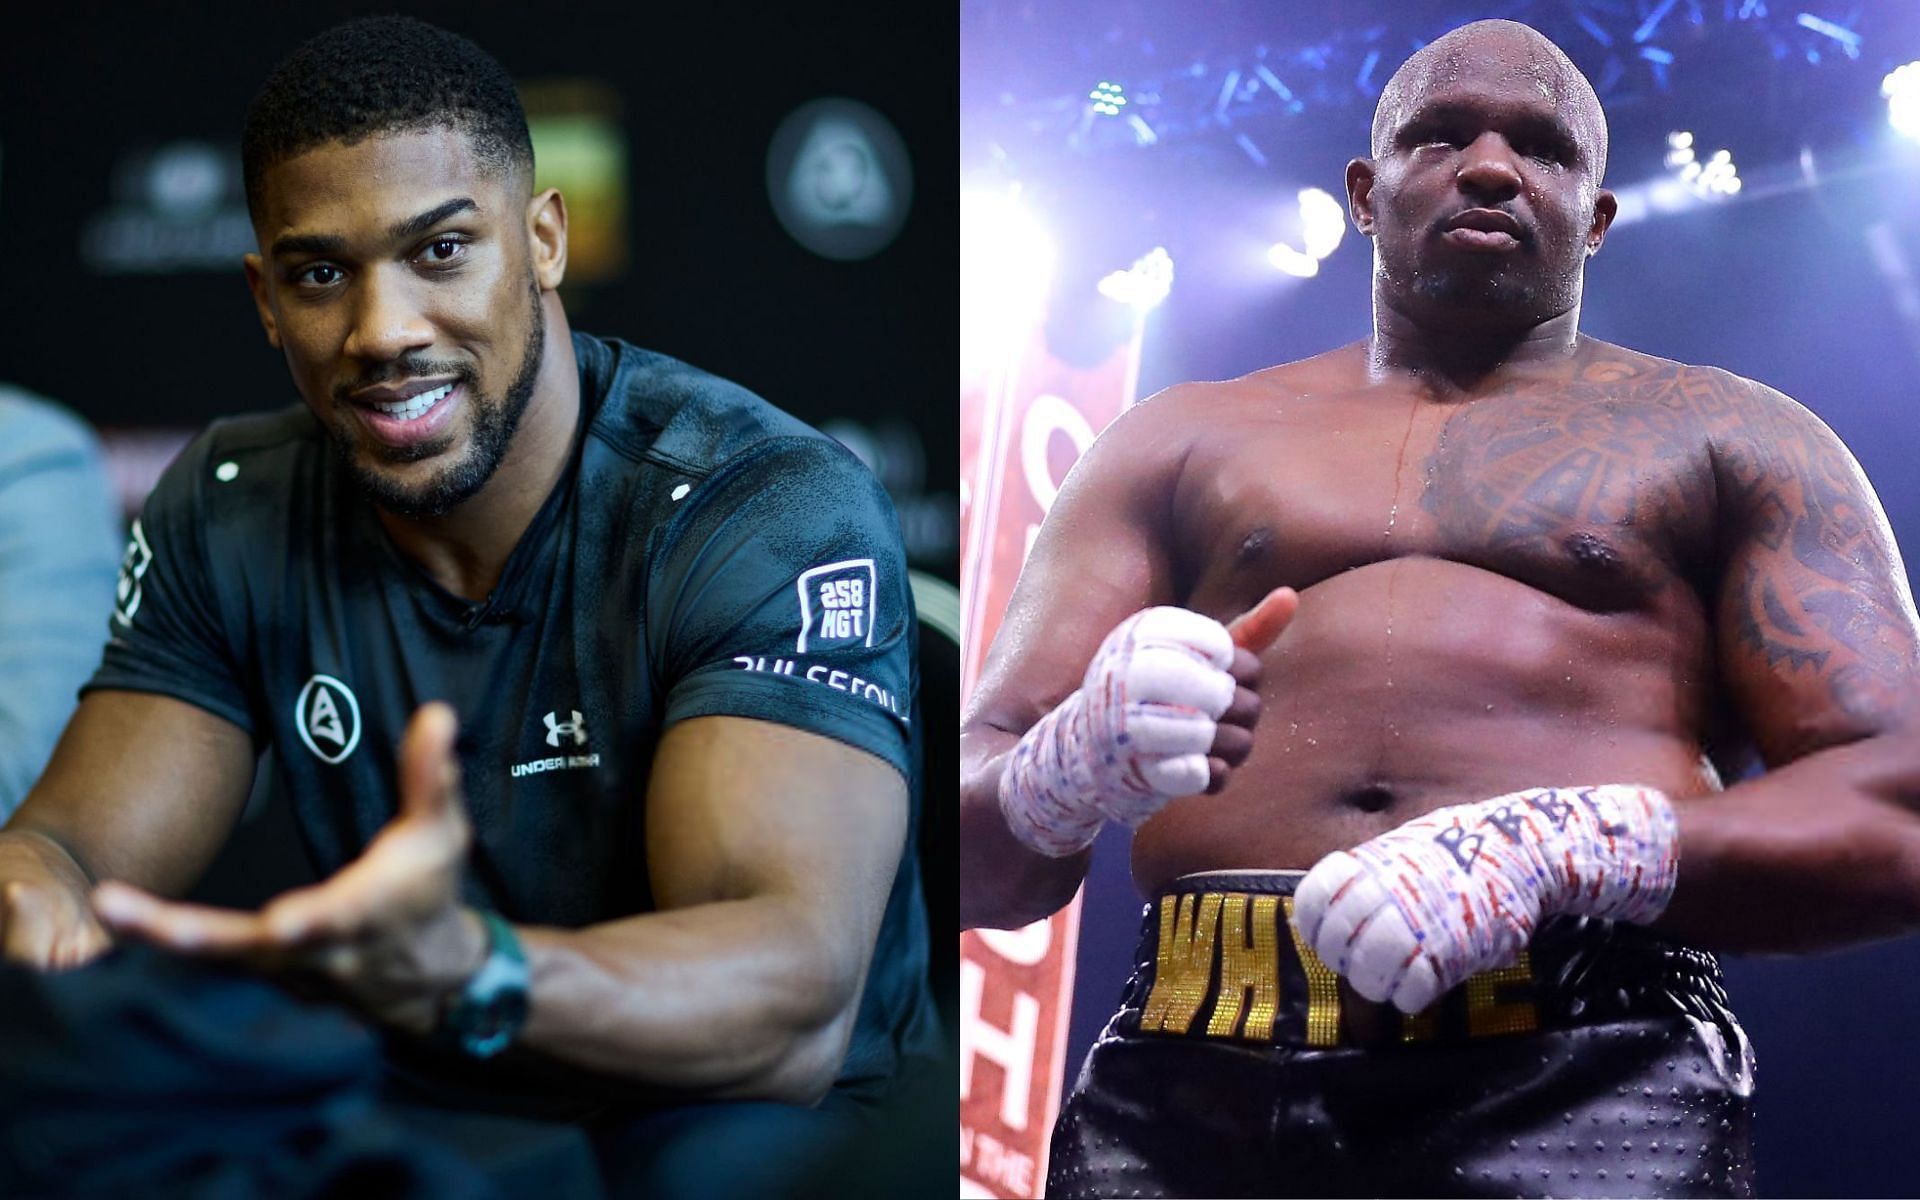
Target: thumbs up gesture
1167, 708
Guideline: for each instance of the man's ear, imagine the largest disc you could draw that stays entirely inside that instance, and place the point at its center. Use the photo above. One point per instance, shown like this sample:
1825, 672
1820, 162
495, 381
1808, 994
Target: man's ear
1605, 209
547, 237
1360, 194
257, 284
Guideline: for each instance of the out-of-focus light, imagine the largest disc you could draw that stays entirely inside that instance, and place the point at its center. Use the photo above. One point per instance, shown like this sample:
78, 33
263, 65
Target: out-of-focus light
1108, 98
1848, 39
1712, 178
1902, 90
1143, 285
1293, 262
1006, 267
839, 178
1323, 222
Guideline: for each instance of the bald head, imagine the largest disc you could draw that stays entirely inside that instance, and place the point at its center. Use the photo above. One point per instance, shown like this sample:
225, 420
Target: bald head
1506, 56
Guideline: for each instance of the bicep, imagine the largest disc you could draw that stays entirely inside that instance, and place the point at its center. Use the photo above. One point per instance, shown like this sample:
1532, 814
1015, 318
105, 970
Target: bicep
1101, 555
142, 788
740, 809
1819, 642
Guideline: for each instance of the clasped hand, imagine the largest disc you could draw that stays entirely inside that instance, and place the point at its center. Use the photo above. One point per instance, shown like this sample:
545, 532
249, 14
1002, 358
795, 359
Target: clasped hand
388, 929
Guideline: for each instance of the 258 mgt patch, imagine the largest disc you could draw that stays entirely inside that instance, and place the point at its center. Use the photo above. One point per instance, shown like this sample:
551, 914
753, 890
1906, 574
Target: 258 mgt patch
836, 606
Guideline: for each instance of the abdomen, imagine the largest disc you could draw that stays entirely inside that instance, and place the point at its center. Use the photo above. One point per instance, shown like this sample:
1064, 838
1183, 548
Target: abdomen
1415, 683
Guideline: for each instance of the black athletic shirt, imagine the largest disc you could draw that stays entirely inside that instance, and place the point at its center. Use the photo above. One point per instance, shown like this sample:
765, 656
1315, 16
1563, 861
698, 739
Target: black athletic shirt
704, 554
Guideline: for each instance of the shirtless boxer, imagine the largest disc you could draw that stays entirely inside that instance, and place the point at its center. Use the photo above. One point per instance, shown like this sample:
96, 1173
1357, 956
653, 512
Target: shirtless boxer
1507, 603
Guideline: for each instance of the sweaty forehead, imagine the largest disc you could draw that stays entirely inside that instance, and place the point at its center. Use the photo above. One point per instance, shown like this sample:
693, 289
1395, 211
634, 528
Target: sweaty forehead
1503, 66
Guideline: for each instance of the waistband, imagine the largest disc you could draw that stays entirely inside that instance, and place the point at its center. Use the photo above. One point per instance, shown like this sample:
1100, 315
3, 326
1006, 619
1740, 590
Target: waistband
1221, 961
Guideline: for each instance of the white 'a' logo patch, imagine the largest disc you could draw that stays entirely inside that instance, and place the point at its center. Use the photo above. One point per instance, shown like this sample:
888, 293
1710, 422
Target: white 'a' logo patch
328, 718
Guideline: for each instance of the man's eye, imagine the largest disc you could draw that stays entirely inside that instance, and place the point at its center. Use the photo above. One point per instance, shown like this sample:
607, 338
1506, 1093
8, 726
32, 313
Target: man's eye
443, 250
318, 275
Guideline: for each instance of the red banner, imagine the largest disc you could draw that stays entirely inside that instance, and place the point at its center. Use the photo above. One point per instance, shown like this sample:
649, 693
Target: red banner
1020, 432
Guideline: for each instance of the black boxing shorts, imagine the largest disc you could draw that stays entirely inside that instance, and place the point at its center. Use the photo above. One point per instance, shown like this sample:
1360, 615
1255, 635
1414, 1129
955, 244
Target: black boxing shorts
1604, 1063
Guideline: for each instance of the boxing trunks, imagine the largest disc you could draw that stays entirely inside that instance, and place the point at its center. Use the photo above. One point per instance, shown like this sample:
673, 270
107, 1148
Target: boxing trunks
1604, 1063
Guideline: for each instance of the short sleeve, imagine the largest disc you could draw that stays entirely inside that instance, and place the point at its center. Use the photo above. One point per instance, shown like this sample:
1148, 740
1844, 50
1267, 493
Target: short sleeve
165, 634
779, 592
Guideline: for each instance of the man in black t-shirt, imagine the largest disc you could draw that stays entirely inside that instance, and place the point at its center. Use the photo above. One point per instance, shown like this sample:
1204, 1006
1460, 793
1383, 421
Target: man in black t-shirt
671, 845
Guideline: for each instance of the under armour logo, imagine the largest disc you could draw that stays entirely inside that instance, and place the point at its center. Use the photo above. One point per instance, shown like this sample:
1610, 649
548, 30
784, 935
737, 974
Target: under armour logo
575, 729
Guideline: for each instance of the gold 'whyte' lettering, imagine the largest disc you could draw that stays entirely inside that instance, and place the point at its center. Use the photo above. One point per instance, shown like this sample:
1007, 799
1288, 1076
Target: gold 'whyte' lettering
1323, 990
1183, 962
1488, 1015
1245, 968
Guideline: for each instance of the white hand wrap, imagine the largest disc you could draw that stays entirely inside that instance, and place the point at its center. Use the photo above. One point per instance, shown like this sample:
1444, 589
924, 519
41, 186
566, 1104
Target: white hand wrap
1133, 737
1415, 911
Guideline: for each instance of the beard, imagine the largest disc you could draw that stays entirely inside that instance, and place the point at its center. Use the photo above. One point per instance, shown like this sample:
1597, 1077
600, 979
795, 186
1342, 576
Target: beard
1532, 284
492, 426
1459, 288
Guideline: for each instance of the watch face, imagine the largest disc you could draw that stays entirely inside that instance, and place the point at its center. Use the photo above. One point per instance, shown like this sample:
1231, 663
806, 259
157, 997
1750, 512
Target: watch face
493, 1006
491, 1025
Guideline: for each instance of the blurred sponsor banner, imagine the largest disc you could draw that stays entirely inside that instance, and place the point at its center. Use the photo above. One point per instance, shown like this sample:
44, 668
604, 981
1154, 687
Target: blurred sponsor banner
1023, 424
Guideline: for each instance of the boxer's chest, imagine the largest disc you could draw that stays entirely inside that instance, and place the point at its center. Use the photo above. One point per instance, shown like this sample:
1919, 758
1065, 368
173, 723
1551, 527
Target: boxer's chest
558, 725
1601, 500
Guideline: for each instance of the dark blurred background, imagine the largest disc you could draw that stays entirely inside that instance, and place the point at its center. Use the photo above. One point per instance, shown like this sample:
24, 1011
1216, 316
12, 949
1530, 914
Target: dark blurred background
122, 219
1120, 127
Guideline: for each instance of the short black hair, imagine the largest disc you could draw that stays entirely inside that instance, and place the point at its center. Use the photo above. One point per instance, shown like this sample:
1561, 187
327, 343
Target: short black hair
380, 75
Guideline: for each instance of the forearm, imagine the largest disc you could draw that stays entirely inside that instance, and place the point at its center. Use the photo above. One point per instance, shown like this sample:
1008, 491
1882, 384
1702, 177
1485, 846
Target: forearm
1004, 883
1821, 853
736, 999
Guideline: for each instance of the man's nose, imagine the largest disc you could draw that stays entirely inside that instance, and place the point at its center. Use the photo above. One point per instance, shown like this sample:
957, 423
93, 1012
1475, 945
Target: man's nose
1487, 172
386, 322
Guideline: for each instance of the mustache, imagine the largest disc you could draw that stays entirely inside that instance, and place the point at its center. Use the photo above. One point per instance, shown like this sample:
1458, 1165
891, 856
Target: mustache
401, 370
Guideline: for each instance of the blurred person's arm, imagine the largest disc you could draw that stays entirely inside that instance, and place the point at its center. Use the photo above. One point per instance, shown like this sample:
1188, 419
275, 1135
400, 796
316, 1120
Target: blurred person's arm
151, 774
58, 550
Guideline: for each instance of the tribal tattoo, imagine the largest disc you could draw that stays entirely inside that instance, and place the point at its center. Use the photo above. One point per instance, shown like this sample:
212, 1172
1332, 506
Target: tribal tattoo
1741, 491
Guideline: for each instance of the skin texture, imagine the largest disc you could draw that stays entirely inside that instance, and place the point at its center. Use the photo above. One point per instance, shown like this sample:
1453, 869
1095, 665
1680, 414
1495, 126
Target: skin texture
771, 851
1525, 557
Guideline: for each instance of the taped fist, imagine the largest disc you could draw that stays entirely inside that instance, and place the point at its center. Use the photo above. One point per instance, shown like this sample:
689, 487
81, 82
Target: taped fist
1414, 912
1166, 709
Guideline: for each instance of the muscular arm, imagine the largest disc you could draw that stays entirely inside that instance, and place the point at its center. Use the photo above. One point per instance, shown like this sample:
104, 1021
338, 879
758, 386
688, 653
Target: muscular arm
1101, 555
1820, 649
772, 852
143, 788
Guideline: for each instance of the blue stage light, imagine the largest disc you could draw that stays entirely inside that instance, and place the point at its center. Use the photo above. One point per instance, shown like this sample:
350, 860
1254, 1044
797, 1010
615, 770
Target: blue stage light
1902, 90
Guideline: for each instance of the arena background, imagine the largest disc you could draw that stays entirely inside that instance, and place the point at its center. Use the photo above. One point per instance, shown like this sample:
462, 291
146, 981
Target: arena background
1092, 134
122, 223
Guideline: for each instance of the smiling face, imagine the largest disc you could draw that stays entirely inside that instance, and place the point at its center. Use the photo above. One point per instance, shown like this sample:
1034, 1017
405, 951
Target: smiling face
403, 279
1483, 194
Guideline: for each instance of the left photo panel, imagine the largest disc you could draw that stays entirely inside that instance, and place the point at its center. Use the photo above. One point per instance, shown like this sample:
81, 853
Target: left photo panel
478, 610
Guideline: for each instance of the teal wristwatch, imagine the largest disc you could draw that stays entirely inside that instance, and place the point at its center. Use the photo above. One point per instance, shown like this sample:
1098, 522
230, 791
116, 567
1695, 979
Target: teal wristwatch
485, 1016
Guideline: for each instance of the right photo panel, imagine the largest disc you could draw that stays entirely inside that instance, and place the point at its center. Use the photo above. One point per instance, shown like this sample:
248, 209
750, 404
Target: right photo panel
1439, 680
